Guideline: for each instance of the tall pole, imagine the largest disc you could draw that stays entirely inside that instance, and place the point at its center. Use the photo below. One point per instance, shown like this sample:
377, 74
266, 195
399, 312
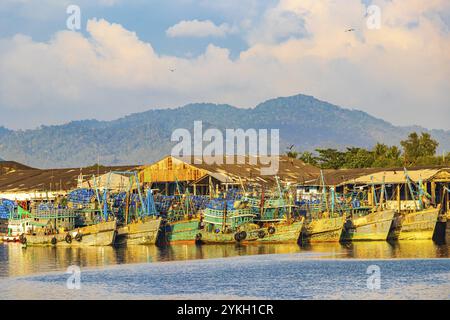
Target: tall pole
324, 191
408, 180
127, 206
105, 204
224, 222
382, 195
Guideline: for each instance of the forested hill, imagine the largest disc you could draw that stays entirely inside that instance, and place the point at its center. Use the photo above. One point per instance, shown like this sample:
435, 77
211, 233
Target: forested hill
304, 121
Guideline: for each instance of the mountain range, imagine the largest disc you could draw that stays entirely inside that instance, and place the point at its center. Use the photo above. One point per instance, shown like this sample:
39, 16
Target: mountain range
139, 138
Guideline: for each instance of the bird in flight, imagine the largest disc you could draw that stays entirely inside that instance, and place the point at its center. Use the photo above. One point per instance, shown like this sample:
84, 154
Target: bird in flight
290, 148
350, 30
172, 70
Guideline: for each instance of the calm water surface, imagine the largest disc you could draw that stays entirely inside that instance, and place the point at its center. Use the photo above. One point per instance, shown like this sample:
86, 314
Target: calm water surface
408, 270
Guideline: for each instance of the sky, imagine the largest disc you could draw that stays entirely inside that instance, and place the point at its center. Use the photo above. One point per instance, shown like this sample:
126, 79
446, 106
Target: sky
134, 55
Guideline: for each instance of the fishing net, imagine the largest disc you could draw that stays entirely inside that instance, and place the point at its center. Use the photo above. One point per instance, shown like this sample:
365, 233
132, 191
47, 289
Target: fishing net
7, 207
199, 202
163, 203
81, 196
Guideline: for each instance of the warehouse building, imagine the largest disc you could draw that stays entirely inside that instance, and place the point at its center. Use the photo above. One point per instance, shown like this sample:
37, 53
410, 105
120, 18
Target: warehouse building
24, 183
208, 177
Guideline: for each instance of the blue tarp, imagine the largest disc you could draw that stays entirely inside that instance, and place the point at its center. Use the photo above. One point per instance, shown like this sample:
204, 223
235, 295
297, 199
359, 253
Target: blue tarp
6, 207
219, 204
82, 196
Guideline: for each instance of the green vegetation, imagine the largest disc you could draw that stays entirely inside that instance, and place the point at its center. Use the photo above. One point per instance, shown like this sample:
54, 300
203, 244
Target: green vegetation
418, 150
145, 137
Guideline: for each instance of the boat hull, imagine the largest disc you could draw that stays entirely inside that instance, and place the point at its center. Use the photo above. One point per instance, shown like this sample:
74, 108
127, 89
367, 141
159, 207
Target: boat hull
283, 233
217, 238
374, 226
419, 225
324, 230
447, 231
101, 234
182, 231
141, 232
273, 233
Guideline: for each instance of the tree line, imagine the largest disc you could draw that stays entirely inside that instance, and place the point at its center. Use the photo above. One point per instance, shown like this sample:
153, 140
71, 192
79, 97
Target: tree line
416, 150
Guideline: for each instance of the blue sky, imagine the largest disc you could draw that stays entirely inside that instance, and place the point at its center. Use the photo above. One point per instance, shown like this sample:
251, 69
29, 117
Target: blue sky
236, 52
149, 19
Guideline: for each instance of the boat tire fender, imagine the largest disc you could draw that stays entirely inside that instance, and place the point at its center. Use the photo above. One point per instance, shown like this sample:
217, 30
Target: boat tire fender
348, 225
271, 230
68, 238
23, 239
261, 234
242, 235
54, 241
79, 237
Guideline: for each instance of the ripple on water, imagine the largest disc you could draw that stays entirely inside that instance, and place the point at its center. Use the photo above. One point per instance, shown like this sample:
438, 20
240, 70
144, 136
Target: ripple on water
283, 276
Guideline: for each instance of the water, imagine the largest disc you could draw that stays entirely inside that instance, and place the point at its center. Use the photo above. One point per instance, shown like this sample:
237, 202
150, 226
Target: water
408, 270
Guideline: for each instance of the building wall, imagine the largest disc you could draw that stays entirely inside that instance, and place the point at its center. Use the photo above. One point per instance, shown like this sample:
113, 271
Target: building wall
31, 195
170, 169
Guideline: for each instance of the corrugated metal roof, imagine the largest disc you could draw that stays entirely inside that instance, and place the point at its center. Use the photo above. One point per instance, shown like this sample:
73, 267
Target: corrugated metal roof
50, 179
114, 181
249, 170
396, 176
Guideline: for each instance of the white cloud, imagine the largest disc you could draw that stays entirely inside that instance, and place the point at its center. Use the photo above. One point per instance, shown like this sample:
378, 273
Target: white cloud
198, 29
399, 73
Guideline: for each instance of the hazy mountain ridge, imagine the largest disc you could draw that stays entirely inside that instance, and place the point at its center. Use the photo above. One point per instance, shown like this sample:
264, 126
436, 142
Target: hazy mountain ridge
143, 137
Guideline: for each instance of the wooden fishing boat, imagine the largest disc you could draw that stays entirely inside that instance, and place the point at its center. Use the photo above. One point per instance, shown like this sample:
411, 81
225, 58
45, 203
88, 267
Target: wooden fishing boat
226, 223
324, 229
16, 228
100, 234
368, 225
274, 216
142, 231
182, 218
7, 207
185, 230
239, 236
418, 225
281, 232
324, 222
52, 224
137, 219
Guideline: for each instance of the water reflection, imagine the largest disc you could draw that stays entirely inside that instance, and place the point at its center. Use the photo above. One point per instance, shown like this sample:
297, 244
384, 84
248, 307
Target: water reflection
17, 261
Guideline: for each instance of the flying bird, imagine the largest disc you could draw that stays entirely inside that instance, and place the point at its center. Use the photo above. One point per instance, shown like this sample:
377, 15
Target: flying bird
172, 70
290, 148
350, 30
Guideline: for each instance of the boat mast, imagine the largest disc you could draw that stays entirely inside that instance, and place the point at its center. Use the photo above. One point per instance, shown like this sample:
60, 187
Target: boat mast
332, 195
138, 186
224, 215
408, 181
324, 191
280, 193
374, 194
383, 189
